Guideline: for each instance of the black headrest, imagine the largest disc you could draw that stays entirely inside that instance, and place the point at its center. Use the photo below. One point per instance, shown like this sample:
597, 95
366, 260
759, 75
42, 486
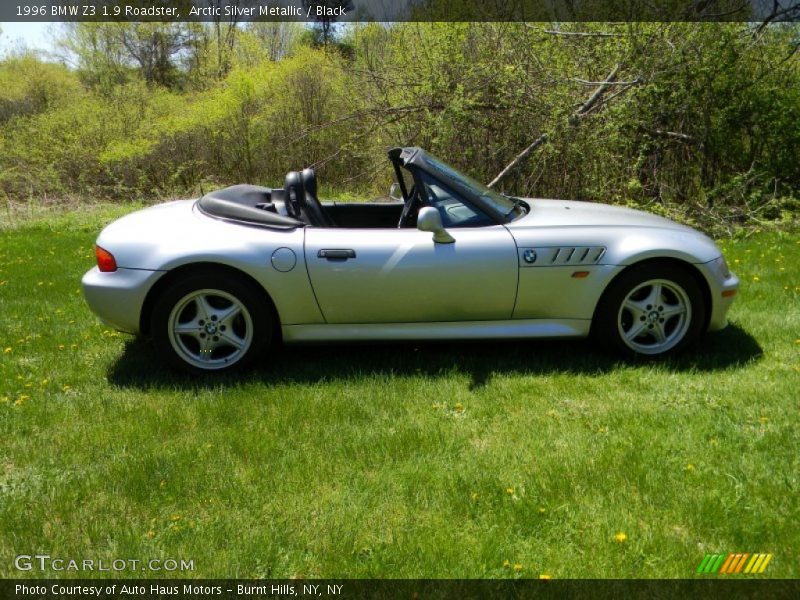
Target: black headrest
293, 193
310, 181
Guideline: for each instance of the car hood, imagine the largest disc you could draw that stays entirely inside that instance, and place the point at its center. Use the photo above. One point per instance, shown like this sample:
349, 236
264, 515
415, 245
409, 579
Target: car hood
572, 213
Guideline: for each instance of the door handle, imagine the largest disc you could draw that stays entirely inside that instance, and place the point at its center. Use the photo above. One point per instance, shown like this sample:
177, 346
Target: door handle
336, 254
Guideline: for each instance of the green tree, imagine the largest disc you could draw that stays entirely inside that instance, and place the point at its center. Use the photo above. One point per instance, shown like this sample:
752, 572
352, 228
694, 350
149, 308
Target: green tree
108, 53
325, 14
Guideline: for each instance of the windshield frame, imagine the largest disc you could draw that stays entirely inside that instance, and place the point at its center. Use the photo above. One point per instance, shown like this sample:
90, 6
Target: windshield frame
500, 208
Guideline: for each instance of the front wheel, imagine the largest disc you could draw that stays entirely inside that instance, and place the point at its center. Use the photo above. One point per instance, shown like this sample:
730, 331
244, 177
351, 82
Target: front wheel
650, 310
207, 323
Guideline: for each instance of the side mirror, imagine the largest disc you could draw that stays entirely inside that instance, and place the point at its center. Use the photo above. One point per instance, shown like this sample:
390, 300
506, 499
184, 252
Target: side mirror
428, 219
395, 192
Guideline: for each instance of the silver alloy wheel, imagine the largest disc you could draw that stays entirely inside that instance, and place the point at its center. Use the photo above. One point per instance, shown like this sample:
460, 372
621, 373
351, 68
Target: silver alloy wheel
654, 317
210, 329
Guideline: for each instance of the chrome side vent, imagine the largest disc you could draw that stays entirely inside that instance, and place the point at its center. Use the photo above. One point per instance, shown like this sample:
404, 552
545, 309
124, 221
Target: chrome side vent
560, 256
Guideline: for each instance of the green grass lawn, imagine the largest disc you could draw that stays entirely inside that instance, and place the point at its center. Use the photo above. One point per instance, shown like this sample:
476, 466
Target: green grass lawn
474, 460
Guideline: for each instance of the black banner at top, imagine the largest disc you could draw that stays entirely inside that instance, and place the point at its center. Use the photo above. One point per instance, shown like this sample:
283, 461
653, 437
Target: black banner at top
399, 10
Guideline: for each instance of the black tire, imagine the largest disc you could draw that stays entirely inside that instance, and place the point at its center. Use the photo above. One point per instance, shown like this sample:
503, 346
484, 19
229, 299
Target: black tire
644, 327
210, 345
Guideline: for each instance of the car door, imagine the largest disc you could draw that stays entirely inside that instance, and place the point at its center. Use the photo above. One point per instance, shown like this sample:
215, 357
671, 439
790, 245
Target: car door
403, 276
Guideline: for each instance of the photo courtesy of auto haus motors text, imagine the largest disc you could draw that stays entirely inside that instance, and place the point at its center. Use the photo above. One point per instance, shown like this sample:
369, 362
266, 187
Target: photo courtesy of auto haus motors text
164, 589
419, 299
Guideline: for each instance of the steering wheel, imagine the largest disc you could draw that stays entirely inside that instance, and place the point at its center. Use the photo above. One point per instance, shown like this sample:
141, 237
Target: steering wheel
408, 209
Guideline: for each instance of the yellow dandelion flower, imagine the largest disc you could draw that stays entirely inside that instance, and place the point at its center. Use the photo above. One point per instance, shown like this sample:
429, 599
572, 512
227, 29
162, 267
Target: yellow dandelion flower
40, 283
542, 510
506, 564
4, 399
61, 346
162, 484
517, 567
474, 496
65, 388
690, 467
756, 278
544, 576
620, 537
151, 534
21, 399
175, 518
509, 491
459, 407
7, 350
45, 381
763, 420
797, 341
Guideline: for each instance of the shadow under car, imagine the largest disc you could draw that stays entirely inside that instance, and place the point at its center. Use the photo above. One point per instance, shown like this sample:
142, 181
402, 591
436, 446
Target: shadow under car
136, 368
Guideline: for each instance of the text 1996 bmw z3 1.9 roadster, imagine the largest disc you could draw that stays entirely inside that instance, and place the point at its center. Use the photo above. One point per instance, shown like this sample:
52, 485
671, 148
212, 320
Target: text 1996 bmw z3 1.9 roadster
216, 281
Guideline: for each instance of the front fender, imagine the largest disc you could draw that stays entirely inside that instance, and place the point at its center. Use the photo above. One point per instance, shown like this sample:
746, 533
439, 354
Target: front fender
637, 246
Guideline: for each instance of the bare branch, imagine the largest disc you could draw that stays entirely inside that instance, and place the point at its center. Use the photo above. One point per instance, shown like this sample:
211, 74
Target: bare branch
592, 103
519, 157
596, 95
672, 134
584, 82
792, 11
608, 99
581, 33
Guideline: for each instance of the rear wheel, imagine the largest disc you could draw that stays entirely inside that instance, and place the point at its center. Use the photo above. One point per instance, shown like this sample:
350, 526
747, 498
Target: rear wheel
211, 323
650, 310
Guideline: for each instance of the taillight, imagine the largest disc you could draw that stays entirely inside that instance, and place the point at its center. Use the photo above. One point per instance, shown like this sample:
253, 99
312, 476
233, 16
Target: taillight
105, 260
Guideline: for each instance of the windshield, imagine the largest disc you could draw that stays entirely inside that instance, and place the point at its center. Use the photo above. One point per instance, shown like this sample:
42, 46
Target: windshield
502, 205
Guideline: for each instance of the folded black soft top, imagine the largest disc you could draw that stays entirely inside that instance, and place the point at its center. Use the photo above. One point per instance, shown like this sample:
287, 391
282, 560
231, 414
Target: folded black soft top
251, 204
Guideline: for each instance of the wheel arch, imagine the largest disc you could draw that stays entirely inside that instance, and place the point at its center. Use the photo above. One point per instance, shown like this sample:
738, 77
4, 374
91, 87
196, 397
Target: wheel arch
686, 266
204, 268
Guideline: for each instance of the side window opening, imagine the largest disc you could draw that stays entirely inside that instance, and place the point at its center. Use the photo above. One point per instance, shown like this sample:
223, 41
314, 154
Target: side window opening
454, 211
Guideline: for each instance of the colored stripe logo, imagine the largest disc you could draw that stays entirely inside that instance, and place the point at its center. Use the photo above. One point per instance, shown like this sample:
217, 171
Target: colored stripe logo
735, 562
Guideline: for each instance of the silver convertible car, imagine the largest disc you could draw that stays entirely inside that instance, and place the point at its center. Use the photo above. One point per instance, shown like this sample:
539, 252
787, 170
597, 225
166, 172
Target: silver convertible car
216, 281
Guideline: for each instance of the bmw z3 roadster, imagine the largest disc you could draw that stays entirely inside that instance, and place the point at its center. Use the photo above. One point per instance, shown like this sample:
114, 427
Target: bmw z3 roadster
216, 281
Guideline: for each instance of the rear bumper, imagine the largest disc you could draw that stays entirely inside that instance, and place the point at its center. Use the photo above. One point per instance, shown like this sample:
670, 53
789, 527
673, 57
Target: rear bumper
724, 288
117, 297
